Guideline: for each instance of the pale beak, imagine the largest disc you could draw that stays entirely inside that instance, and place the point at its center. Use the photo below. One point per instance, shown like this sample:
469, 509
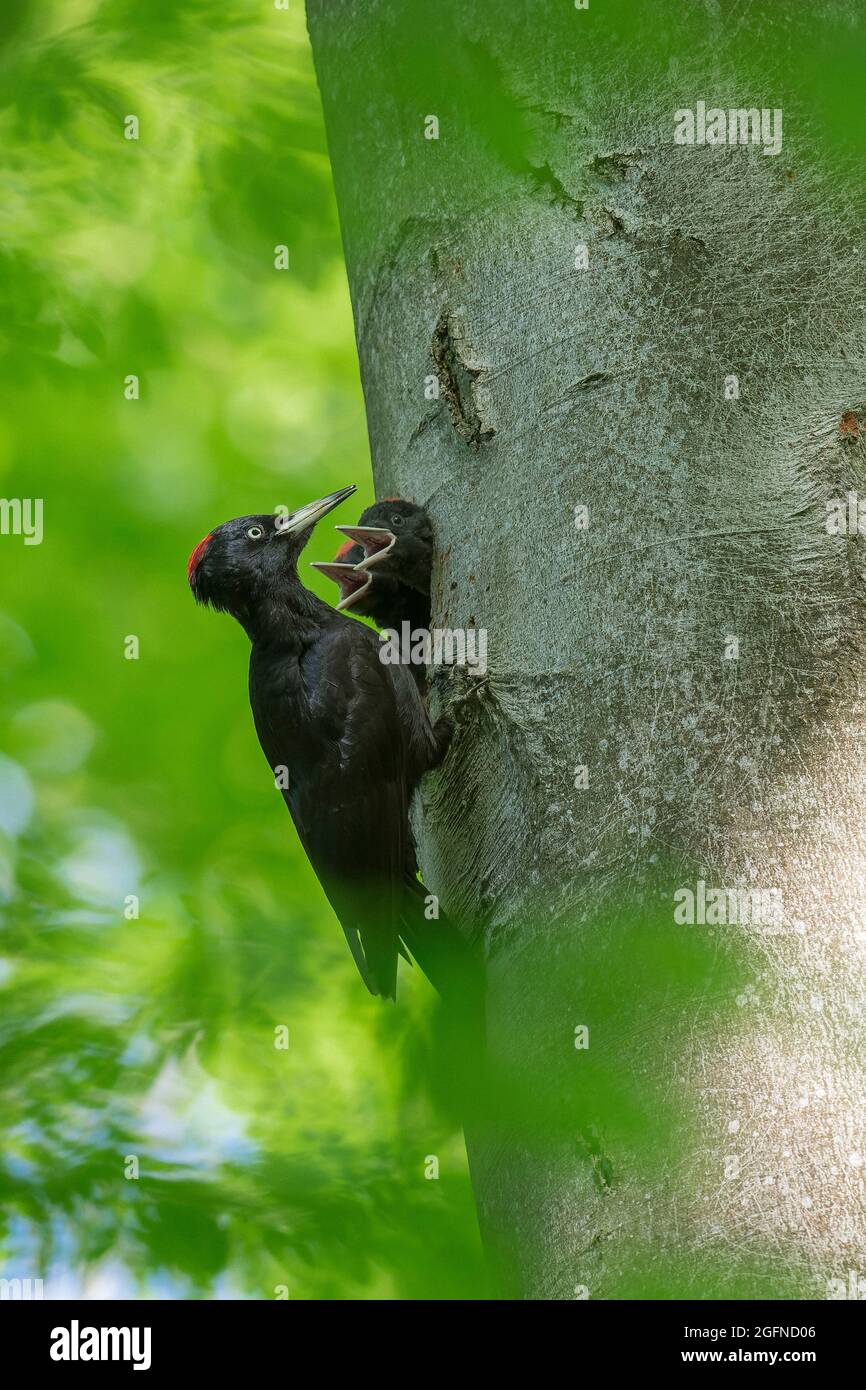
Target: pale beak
376, 540
313, 512
352, 584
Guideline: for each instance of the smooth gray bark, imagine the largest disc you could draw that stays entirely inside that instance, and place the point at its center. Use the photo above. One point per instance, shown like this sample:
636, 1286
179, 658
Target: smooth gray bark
609, 647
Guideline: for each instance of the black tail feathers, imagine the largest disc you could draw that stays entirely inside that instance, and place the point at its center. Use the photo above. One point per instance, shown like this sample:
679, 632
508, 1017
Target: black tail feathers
452, 965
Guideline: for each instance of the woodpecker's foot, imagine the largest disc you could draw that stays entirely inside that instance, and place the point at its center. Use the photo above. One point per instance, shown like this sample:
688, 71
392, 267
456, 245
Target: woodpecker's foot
468, 694
456, 692
443, 732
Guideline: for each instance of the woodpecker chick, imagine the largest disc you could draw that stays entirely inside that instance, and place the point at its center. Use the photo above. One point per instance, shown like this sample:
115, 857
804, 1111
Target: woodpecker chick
384, 568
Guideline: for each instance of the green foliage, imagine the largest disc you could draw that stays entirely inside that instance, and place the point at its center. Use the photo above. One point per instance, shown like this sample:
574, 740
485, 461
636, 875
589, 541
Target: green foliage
155, 1038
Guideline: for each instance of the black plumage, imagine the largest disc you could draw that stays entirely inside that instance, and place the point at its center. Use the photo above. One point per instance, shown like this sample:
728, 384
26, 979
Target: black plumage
346, 735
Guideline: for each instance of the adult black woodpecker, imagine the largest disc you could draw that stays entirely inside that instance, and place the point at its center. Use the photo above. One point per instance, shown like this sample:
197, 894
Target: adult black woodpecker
383, 570
346, 736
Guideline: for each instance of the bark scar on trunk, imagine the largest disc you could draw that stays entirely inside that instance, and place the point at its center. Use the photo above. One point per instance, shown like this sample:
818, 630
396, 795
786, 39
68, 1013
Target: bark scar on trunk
615, 167
544, 180
457, 384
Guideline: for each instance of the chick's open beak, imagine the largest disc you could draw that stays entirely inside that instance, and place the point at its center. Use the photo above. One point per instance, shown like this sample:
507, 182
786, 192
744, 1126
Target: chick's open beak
352, 583
376, 540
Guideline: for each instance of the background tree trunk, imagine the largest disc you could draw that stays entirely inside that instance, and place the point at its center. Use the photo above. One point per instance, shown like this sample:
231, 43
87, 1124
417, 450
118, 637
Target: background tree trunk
697, 648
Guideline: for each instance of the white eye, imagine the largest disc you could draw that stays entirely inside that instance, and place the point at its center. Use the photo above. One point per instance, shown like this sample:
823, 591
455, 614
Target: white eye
255, 533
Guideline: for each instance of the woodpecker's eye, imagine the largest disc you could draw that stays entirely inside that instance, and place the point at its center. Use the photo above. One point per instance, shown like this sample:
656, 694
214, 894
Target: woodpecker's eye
255, 533
396, 519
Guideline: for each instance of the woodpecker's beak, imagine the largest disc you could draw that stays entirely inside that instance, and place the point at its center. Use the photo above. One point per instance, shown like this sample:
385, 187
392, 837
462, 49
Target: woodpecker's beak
376, 540
352, 584
314, 511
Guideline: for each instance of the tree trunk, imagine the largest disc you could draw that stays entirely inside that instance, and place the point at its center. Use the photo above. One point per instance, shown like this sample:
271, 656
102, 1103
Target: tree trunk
649, 364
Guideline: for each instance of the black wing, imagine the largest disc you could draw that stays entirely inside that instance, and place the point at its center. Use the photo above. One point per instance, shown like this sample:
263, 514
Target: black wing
349, 800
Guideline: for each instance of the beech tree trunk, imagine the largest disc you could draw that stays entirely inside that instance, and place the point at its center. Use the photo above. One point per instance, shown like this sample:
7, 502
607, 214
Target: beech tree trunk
650, 371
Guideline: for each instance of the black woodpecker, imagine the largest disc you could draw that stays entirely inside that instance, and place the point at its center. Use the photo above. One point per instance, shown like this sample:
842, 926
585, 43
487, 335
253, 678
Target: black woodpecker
346, 736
